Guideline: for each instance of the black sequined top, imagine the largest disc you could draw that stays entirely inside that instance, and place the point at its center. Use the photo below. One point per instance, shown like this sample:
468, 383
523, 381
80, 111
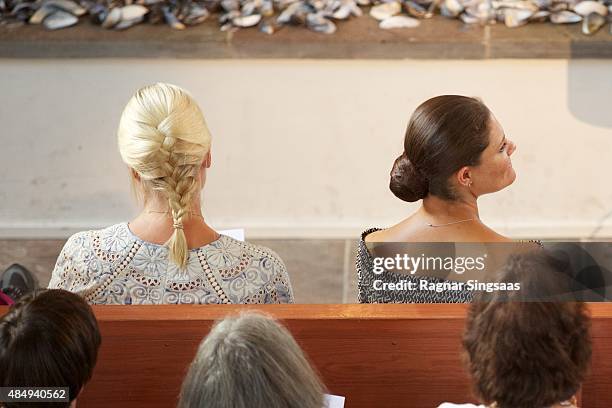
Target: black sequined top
368, 294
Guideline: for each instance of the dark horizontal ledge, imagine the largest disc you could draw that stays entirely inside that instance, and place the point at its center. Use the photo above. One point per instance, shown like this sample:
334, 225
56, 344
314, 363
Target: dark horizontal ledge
437, 38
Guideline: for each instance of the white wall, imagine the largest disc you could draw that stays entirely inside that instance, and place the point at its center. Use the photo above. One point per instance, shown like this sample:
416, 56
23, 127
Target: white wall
302, 148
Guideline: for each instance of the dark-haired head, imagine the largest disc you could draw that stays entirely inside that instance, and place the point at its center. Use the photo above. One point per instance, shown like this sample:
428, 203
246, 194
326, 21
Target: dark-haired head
451, 135
528, 354
49, 338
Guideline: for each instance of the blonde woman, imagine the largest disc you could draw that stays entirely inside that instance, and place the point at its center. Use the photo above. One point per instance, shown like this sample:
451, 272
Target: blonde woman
251, 361
168, 254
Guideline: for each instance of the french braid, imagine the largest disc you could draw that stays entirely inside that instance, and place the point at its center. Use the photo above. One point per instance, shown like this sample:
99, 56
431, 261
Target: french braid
164, 138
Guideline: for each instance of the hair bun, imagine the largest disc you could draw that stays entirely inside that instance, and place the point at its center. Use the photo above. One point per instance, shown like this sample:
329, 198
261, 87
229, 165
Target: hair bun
407, 183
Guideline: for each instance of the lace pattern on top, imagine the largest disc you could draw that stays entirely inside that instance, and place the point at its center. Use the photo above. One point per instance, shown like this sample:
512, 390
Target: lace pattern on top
113, 266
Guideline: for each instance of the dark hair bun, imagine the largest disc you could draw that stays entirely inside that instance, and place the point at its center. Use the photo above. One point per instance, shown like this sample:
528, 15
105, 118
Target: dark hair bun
407, 183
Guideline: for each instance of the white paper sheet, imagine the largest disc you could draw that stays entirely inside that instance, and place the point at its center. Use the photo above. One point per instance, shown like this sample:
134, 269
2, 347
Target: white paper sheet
236, 233
334, 401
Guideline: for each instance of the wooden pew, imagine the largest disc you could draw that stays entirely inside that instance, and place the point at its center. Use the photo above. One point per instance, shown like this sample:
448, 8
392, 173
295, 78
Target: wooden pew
378, 356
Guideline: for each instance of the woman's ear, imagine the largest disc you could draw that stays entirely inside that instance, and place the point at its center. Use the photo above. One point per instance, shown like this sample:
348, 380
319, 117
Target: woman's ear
464, 176
135, 174
207, 160
206, 163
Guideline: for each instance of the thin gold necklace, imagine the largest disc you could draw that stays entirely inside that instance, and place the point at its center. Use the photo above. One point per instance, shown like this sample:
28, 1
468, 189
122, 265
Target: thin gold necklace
168, 212
449, 223
217, 235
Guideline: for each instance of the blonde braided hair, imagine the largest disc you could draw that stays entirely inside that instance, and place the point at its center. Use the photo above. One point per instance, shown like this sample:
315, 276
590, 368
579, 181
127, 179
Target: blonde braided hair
163, 137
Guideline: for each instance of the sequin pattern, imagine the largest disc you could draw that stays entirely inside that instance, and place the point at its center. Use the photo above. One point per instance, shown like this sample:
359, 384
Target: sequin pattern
366, 278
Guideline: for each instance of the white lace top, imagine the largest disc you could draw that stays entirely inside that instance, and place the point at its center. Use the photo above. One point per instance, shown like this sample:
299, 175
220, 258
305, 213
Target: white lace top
113, 266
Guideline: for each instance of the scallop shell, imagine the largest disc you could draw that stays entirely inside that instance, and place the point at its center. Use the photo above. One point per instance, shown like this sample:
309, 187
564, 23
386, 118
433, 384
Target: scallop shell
556, 7
230, 5
483, 11
59, 19
133, 12
317, 22
41, 14
355, 10
112, 18
248, 8
196, 15
347, 9
584, 8
247, 21
269, 27
125, 24
414, 9
172, 20
565, 17
451, 8
51, 6
592, 23
541, 15
385, 10
467, 18
516, 17
511, 4
295, 12
229, 16
342, 13
399, 22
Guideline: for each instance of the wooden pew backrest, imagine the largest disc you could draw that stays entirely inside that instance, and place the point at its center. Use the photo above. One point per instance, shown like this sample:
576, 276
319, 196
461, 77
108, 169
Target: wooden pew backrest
377, 356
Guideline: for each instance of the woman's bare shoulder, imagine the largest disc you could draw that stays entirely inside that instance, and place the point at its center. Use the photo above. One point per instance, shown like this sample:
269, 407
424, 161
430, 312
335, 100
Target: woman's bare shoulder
401, 232
407, 233
378, 235
486, 234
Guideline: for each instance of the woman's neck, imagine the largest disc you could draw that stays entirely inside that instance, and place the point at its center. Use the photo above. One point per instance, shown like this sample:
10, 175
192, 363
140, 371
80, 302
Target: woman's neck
155, 224
436, 207
153, 208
